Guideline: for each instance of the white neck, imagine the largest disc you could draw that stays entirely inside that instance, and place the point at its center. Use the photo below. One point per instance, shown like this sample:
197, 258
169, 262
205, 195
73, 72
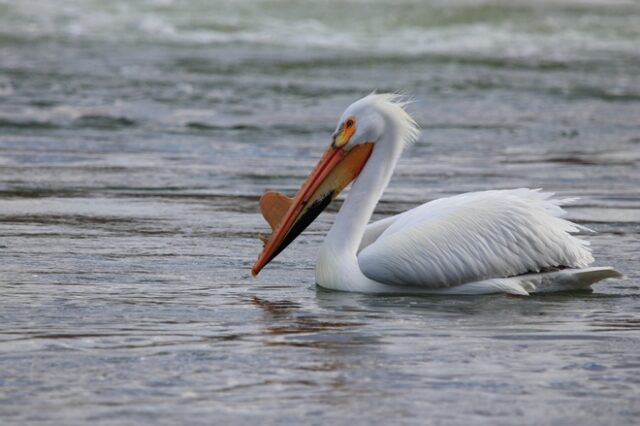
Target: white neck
337, 265
347, 231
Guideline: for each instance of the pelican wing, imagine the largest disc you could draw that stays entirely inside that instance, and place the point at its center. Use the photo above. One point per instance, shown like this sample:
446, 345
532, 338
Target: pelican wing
373, 230
472, 237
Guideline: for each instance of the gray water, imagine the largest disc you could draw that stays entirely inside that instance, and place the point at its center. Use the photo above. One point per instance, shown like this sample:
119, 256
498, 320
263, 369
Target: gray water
137, 137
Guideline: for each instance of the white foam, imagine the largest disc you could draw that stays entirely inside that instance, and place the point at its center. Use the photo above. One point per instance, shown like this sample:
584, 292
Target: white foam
556, 35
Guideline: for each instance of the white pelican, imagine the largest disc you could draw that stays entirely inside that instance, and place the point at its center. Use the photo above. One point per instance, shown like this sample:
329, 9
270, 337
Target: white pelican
512, 241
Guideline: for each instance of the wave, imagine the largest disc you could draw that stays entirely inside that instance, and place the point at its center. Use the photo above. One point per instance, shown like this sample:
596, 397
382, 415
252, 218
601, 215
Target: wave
515, 29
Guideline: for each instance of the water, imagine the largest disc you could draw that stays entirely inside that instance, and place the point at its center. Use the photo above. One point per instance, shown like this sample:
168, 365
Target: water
137, 137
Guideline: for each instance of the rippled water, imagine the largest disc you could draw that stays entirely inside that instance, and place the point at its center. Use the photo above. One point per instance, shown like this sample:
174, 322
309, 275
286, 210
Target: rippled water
136, 138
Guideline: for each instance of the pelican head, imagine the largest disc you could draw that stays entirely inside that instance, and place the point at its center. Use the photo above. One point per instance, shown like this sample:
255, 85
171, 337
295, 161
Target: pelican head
363, 124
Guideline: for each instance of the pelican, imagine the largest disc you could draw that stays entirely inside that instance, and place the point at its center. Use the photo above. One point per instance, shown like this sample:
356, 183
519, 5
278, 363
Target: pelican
498, 241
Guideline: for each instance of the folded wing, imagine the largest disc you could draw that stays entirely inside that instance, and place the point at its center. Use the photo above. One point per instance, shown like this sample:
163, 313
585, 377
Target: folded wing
472, 237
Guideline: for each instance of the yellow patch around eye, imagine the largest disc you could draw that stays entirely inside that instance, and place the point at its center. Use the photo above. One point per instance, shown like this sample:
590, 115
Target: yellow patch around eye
347, 129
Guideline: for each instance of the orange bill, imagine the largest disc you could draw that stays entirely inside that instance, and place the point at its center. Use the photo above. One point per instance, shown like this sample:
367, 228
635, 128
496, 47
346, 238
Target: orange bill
289, 217
274, 205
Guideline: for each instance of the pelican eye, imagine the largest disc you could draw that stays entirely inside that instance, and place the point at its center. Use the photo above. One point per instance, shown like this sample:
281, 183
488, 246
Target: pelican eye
345, 132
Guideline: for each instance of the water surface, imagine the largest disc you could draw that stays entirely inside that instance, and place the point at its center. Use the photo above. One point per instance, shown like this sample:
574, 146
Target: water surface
137, 137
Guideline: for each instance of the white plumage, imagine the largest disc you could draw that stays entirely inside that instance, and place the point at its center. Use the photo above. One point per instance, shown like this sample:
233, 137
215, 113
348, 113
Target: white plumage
513, 241
474, 237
